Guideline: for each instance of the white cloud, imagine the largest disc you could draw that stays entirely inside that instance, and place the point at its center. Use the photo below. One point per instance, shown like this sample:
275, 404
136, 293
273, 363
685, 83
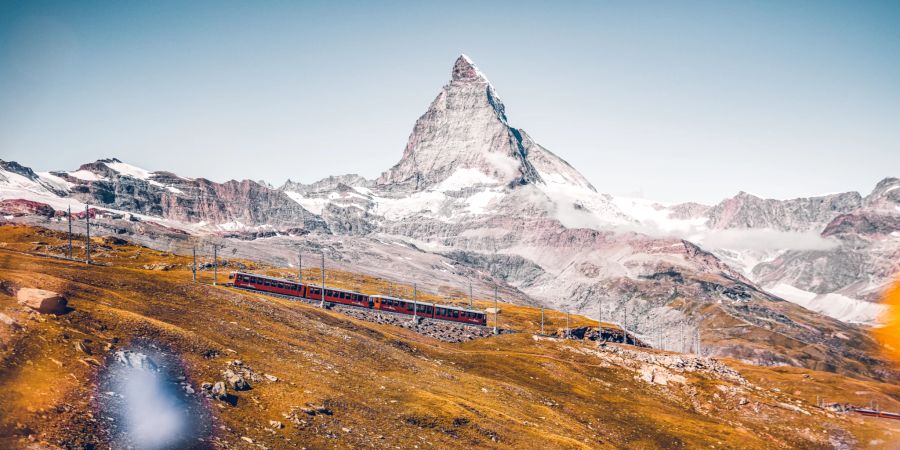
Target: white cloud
765, 239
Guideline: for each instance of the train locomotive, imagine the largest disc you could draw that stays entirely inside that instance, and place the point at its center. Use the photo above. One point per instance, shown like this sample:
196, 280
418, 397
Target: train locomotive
396, 305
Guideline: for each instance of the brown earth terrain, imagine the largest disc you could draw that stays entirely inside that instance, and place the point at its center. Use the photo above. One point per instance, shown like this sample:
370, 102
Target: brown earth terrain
335, 381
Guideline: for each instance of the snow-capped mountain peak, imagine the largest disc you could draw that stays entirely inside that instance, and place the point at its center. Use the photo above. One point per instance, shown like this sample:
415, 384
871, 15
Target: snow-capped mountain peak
464, 70
466, 128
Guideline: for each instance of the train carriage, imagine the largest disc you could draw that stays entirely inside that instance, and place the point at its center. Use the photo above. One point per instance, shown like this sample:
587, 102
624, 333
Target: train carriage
380, 302
269, 284
339, 296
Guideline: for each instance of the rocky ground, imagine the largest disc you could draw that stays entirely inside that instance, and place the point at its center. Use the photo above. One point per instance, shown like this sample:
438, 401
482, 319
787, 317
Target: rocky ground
441, 330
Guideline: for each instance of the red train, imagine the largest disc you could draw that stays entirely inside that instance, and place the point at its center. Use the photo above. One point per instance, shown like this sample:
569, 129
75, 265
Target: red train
380, 302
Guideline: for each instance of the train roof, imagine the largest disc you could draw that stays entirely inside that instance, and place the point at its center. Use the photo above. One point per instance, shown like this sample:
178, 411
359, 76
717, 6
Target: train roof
285, 280
360, 293
459, 308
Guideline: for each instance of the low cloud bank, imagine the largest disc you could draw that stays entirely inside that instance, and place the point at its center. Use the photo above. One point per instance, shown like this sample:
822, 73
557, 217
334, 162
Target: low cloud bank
765, 239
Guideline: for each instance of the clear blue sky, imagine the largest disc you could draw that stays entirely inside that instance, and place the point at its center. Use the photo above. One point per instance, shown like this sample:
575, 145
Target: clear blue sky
672, 100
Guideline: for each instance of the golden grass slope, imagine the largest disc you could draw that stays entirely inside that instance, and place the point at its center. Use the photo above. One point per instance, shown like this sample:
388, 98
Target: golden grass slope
387, 387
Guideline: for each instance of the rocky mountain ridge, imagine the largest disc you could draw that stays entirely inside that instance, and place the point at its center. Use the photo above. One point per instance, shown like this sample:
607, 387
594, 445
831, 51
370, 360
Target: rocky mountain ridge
473, 198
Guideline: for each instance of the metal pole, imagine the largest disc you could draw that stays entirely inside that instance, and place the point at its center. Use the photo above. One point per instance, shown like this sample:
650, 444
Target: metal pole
70, 232
470, 294
415, 305
600, 318
542, 319
300, 267
87, 240
624, 323
215, 264
496, 310
194, 266
322, 303
567, 325
699, 346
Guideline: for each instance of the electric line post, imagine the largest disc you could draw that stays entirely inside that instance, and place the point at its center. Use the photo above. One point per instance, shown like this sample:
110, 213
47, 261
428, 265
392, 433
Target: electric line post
215, 264
194, 265
496, 311
600, 318
322, 303
70, 231
542, 319
87, 239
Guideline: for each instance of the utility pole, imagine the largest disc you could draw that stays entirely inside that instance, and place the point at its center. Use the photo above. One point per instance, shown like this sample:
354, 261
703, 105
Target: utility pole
624, 323
300, 266
322, 303
567, 325
496, 311
699, 347
415, 305
215, 264
600, 318
194, 266
87, 240
470, 295
542, 319
70, 231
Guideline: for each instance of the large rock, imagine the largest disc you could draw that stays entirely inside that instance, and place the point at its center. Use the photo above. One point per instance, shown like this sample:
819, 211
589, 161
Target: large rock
47, 302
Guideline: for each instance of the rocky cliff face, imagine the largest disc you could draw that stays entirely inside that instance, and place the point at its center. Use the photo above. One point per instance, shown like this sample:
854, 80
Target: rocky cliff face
801, 214
112, 184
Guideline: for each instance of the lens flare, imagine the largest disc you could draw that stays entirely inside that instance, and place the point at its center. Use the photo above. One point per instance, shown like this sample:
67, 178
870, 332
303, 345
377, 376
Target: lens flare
889, 334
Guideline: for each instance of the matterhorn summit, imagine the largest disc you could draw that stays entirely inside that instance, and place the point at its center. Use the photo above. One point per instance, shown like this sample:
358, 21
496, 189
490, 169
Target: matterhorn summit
465, 135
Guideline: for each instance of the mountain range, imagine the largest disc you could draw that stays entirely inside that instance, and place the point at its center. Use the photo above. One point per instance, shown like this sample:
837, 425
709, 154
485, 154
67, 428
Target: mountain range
475, 200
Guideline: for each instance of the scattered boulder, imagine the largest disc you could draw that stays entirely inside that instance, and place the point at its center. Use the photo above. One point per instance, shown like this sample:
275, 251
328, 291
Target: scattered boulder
271, 378
236, 381
276, 425
42, 301
217, 391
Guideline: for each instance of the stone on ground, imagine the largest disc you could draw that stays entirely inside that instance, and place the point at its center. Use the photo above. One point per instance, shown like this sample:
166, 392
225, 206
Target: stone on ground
43, 301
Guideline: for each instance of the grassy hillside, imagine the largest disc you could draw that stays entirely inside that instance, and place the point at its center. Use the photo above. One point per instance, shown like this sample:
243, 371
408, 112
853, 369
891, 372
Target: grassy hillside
384, 386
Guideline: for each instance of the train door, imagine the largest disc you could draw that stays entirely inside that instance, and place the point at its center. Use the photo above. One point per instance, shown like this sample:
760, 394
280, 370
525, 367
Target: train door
376, 302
